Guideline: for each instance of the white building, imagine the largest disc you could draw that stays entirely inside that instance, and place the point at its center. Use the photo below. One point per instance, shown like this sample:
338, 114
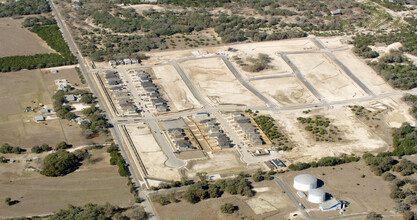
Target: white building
305, 182
316, 196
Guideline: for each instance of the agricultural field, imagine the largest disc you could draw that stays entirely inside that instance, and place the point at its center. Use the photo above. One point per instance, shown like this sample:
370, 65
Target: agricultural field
16, 40
96, 181
32, 88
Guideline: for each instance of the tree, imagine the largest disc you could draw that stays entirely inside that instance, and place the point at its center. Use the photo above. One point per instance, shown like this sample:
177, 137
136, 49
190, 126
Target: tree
59, 163
409, 215
258, 176
87, 98
373, 216
228, 208
62, 145
8, 201
202, 175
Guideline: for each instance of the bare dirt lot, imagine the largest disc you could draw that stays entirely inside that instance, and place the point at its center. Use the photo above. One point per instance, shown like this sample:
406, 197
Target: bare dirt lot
97, 182
366, 194
224, 163
268, 203
285, 91
15, 40
151, 154
179, 94
356, 136
30, 88
217, 84
326, 76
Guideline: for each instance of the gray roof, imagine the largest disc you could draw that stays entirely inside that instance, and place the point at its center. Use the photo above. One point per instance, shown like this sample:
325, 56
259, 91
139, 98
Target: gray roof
70, 97
114, 88
39, 118
44, 111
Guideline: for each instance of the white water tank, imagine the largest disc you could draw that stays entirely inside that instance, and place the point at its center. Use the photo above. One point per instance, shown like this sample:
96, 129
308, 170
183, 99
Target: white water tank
316, 196
305, 182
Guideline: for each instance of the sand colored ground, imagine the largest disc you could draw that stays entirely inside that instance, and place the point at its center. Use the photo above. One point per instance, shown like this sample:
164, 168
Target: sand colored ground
179, 94
345, 182
399, 112
284, 91
357, 137
333, 42
29, 88
15, 40
365, 73
224, 162
217, 84
326, 77
97, 182
270, 200
151, 154
268, 47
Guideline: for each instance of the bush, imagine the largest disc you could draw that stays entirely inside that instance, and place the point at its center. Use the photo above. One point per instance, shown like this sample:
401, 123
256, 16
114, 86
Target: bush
117, 159
228, 208
387, 176
39, 149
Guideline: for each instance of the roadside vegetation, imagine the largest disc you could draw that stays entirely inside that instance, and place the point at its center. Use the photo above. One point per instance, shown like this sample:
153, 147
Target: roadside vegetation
91, 211
50, 33
117, 159
324, 162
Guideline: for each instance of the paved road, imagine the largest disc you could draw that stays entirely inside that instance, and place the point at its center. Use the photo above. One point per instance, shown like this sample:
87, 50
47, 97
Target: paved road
172, 160
342, 66
301, 77
292, 198
115, 133
242, 81
271, 77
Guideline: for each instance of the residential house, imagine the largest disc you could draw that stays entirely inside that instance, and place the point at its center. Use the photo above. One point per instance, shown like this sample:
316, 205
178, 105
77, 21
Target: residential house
127, 61
70, 98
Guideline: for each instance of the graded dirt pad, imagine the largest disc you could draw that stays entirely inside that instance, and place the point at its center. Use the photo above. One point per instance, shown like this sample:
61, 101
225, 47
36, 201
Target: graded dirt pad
333, 42
285, 91
97, 182
217, 84
345, 182
179, 94
271, 203
15, 40
326, 77
30, 88
356, 136
224, 163
150, 153
363, 72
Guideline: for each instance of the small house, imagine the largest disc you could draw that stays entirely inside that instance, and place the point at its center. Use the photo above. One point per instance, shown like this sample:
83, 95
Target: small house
44, 111
134, 61
54, 71
39, 118
70, 98
112, 63
336, 12
201, 115
127, 61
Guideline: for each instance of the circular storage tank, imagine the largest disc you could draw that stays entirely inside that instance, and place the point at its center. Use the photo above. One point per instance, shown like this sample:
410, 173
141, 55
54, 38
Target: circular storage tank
316, 196
305, 182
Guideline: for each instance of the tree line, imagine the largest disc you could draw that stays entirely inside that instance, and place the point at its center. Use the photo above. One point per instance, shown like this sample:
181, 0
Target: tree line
53, 37
23, 7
